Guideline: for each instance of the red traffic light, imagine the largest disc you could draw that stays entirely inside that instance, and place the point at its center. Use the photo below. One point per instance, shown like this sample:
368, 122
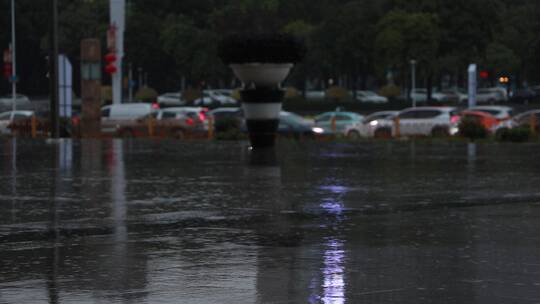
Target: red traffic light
110, 69
110, 57
8, 70
484, 74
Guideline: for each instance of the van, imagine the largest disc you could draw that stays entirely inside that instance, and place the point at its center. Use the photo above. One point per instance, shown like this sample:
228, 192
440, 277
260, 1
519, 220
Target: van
118, 117
128, 111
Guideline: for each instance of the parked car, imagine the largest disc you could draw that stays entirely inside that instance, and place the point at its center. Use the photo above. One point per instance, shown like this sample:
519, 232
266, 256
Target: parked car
7, 118
213, 98
428, 121
170, 100
491, 95
455, 96
336, 122
488, 121
293, 125
21, 102
177, 123
524, 95
370, 125
370, 97
227, 118
524, 120
313, 94
499, 112
420, 96
117, 118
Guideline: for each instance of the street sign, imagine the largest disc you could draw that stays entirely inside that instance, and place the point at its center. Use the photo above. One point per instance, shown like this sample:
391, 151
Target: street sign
473, 84
65, 86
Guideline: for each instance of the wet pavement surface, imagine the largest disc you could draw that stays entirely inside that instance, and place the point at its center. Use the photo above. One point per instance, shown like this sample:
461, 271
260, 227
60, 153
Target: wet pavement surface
199, 222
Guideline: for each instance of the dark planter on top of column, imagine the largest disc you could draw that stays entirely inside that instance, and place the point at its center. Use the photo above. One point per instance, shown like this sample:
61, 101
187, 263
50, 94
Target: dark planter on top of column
261, 62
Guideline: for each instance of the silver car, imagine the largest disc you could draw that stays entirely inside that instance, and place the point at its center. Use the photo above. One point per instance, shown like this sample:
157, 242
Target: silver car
7, 118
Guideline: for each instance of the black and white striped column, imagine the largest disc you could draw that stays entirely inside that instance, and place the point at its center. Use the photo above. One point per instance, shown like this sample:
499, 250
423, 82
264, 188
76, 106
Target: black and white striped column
261, 109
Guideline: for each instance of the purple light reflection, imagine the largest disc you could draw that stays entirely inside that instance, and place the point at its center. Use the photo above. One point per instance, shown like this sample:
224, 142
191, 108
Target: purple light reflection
333, 273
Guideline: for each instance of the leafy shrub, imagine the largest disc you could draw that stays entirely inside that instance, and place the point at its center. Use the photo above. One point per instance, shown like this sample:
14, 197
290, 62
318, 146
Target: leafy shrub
336, 93
472, 128
227, 124
265, 48
291, 93
521, 134
390, 91
106, 94
236, 94
146, 94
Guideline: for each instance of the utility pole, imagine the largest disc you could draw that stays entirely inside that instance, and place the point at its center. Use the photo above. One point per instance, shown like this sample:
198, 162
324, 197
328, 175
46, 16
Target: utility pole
53, 70
118, 19
14, 61
413, 82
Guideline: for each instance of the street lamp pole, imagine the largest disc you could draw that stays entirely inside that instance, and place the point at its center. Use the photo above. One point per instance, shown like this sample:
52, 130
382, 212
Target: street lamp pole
413, 82
53, 72
13, 56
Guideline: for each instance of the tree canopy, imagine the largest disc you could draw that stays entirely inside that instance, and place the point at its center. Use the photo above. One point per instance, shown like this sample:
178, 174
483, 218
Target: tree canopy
353, 41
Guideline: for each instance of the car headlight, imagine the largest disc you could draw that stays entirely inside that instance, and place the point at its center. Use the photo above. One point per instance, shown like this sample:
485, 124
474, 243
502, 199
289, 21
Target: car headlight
318, 130
374, 123
454, 130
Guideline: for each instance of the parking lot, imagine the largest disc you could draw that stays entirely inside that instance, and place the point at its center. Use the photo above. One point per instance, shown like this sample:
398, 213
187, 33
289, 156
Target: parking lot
144, 221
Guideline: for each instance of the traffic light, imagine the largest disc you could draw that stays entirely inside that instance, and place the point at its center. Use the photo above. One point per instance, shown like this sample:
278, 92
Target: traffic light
110, 59
8, 67
8, 70
484, 74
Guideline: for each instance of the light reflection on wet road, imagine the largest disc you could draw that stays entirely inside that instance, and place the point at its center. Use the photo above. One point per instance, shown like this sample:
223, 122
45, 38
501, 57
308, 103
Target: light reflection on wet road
197, 222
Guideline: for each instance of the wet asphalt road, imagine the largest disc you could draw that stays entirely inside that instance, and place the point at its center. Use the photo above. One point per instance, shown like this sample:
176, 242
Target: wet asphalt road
199, 222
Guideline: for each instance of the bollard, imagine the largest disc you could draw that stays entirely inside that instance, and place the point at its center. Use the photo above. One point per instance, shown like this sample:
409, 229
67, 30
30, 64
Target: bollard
533, 124
210, 127
150, 126
33, 124
397, 127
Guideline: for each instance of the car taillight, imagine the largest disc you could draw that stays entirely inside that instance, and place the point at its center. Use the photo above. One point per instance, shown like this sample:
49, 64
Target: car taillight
454, 119
202, 116
155, 105
190, 121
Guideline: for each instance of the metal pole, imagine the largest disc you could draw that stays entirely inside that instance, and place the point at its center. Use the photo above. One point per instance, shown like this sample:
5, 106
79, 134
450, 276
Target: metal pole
14, 57
413, 82
130, 82
53, 60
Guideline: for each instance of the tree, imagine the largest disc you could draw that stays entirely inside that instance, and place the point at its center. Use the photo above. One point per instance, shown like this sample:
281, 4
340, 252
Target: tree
403, 36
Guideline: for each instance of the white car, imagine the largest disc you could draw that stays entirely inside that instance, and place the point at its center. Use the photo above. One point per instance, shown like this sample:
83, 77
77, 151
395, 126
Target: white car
7, 118
370, 97
212, 97
522, 119
491, 95
311, 94
193, 115
171, 100
427, 121
21, 102
370, 125
420, 96
499, 112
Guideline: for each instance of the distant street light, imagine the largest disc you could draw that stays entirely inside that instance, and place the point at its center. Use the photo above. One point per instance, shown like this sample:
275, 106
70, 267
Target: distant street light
413, 82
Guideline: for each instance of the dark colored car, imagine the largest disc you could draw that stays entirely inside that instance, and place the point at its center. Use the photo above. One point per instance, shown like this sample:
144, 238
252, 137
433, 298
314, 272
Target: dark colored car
524, 96
293, 125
